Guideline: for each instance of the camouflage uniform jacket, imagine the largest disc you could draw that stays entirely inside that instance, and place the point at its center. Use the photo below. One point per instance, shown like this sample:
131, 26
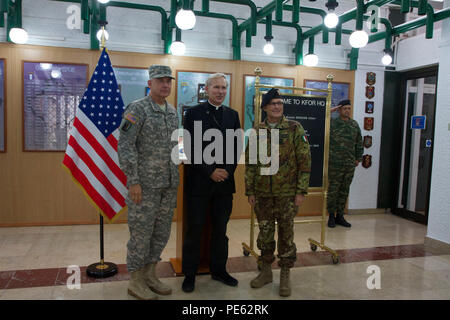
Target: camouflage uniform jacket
345, 143
294, 163
145, 144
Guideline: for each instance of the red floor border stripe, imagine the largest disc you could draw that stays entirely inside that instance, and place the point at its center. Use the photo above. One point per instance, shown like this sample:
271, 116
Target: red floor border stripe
16, 279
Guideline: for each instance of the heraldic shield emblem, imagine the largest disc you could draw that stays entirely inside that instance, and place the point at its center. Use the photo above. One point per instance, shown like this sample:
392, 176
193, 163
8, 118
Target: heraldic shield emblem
367, 141
367, 161
370, 92
368, 123
371, 78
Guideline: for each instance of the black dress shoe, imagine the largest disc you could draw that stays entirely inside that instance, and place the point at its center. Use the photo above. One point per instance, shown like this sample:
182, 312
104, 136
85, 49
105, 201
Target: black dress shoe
188, 284
225, 278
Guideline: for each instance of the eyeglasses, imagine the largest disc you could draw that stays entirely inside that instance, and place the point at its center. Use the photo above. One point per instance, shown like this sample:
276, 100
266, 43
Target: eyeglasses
276, 103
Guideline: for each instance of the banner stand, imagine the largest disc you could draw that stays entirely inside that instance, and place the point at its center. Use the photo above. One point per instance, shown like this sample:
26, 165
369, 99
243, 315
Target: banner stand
314, 244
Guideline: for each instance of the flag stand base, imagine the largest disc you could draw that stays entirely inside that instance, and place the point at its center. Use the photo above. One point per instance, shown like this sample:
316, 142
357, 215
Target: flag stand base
101, 270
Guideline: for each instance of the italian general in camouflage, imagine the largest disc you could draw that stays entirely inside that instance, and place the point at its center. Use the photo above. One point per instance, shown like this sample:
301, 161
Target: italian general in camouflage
144, 150
346, 149
277, 196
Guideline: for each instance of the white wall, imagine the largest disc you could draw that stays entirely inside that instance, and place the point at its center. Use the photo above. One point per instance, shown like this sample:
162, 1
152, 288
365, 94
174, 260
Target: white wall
364, 188
418, 52
439, 212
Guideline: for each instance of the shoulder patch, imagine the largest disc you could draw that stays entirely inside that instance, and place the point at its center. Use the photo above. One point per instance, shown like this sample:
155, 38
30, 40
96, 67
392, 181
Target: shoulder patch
130, 117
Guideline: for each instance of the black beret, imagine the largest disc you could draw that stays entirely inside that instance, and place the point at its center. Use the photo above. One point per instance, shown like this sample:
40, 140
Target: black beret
271, 94
344, 102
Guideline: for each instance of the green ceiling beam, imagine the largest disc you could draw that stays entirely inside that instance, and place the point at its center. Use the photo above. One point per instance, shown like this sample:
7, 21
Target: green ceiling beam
345, 17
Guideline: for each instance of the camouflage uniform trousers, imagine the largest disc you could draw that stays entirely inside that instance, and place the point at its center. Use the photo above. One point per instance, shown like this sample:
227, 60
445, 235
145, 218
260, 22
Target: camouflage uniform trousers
283, 210
149, 223
339, 178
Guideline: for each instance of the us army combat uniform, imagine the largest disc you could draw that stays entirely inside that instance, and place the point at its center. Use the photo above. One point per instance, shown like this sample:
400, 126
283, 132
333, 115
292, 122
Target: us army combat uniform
144, 149
345, 149
275, 194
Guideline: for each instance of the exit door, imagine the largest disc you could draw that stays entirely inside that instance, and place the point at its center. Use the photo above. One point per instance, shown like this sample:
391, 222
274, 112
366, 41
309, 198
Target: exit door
417, 149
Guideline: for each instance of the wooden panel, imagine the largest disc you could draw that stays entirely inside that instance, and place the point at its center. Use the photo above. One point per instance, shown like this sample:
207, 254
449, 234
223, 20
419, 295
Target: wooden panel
36, 190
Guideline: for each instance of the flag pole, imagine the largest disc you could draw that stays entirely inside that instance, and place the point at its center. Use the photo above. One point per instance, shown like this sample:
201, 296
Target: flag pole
102, 269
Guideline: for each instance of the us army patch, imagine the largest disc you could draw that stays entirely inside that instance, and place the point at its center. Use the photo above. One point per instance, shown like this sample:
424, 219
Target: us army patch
127, 122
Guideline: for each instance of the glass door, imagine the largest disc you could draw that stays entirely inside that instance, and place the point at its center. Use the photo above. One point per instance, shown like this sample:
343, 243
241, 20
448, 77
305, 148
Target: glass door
417, 149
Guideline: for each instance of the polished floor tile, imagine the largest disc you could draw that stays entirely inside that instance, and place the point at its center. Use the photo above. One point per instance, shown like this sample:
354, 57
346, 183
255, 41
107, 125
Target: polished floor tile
34, 261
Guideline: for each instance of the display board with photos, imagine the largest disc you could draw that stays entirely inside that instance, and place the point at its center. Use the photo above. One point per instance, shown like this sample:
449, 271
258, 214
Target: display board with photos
191, 91
2, 107
341, 91
132, 82
52, 92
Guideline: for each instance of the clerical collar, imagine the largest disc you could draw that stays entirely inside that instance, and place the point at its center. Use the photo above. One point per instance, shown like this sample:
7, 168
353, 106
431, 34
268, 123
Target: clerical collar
213, 105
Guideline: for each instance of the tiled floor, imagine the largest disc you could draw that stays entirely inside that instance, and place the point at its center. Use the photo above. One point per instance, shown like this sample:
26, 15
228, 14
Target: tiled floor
34, 261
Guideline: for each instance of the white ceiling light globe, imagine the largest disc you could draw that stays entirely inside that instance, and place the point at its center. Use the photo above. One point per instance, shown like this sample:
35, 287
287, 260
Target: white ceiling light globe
386, 60
185, 19
331, 20
103, 1
56, 74
359, 39
18, 35
311, 60
99, 35
178, 48
268, 48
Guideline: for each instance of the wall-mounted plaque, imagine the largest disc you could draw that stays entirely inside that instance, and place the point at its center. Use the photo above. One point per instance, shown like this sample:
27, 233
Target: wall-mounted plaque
52, 91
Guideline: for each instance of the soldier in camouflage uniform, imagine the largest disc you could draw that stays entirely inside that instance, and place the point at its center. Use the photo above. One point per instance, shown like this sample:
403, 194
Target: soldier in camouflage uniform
346, 151
144, 150
277, 196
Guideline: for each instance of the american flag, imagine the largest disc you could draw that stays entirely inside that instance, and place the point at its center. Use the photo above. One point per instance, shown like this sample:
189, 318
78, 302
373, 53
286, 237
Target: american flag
91, 154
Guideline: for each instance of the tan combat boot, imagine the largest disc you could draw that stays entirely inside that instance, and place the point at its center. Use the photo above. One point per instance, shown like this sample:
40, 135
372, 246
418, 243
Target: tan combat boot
264, 277
138, 288
285, 287
153, 282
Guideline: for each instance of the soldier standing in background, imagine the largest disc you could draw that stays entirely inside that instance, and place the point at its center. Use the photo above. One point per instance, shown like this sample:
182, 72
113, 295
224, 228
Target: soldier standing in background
144, 150
346, 149
277, 197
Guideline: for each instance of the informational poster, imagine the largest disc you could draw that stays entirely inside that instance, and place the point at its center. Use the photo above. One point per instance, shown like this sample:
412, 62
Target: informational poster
2, 106
133, 83
311, 113
249, 94
52, 92
341, 91
191, 91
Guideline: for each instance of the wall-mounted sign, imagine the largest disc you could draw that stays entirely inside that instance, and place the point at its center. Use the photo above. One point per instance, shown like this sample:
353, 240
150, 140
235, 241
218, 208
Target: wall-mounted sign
418, 122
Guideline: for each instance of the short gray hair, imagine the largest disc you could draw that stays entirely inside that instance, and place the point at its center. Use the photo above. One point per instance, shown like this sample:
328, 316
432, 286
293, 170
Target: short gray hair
214, 76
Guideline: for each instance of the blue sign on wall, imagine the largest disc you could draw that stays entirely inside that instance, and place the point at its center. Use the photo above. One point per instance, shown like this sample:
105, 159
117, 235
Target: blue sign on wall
418, 122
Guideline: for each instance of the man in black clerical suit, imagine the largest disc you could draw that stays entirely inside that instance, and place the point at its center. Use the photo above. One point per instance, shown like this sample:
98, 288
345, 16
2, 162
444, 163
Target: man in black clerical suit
210, 180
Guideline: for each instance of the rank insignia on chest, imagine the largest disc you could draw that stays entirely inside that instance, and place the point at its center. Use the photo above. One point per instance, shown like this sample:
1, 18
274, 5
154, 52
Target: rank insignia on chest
367, 141
305, 138
367, 161
371, 78
370, 92
368, 123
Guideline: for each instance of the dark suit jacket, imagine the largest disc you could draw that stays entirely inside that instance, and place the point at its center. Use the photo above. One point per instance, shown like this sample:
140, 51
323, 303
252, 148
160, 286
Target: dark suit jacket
198, 181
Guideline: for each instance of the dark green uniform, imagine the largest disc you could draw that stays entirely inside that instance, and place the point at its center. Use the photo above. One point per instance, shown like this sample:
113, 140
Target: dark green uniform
275, 193
345, 149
